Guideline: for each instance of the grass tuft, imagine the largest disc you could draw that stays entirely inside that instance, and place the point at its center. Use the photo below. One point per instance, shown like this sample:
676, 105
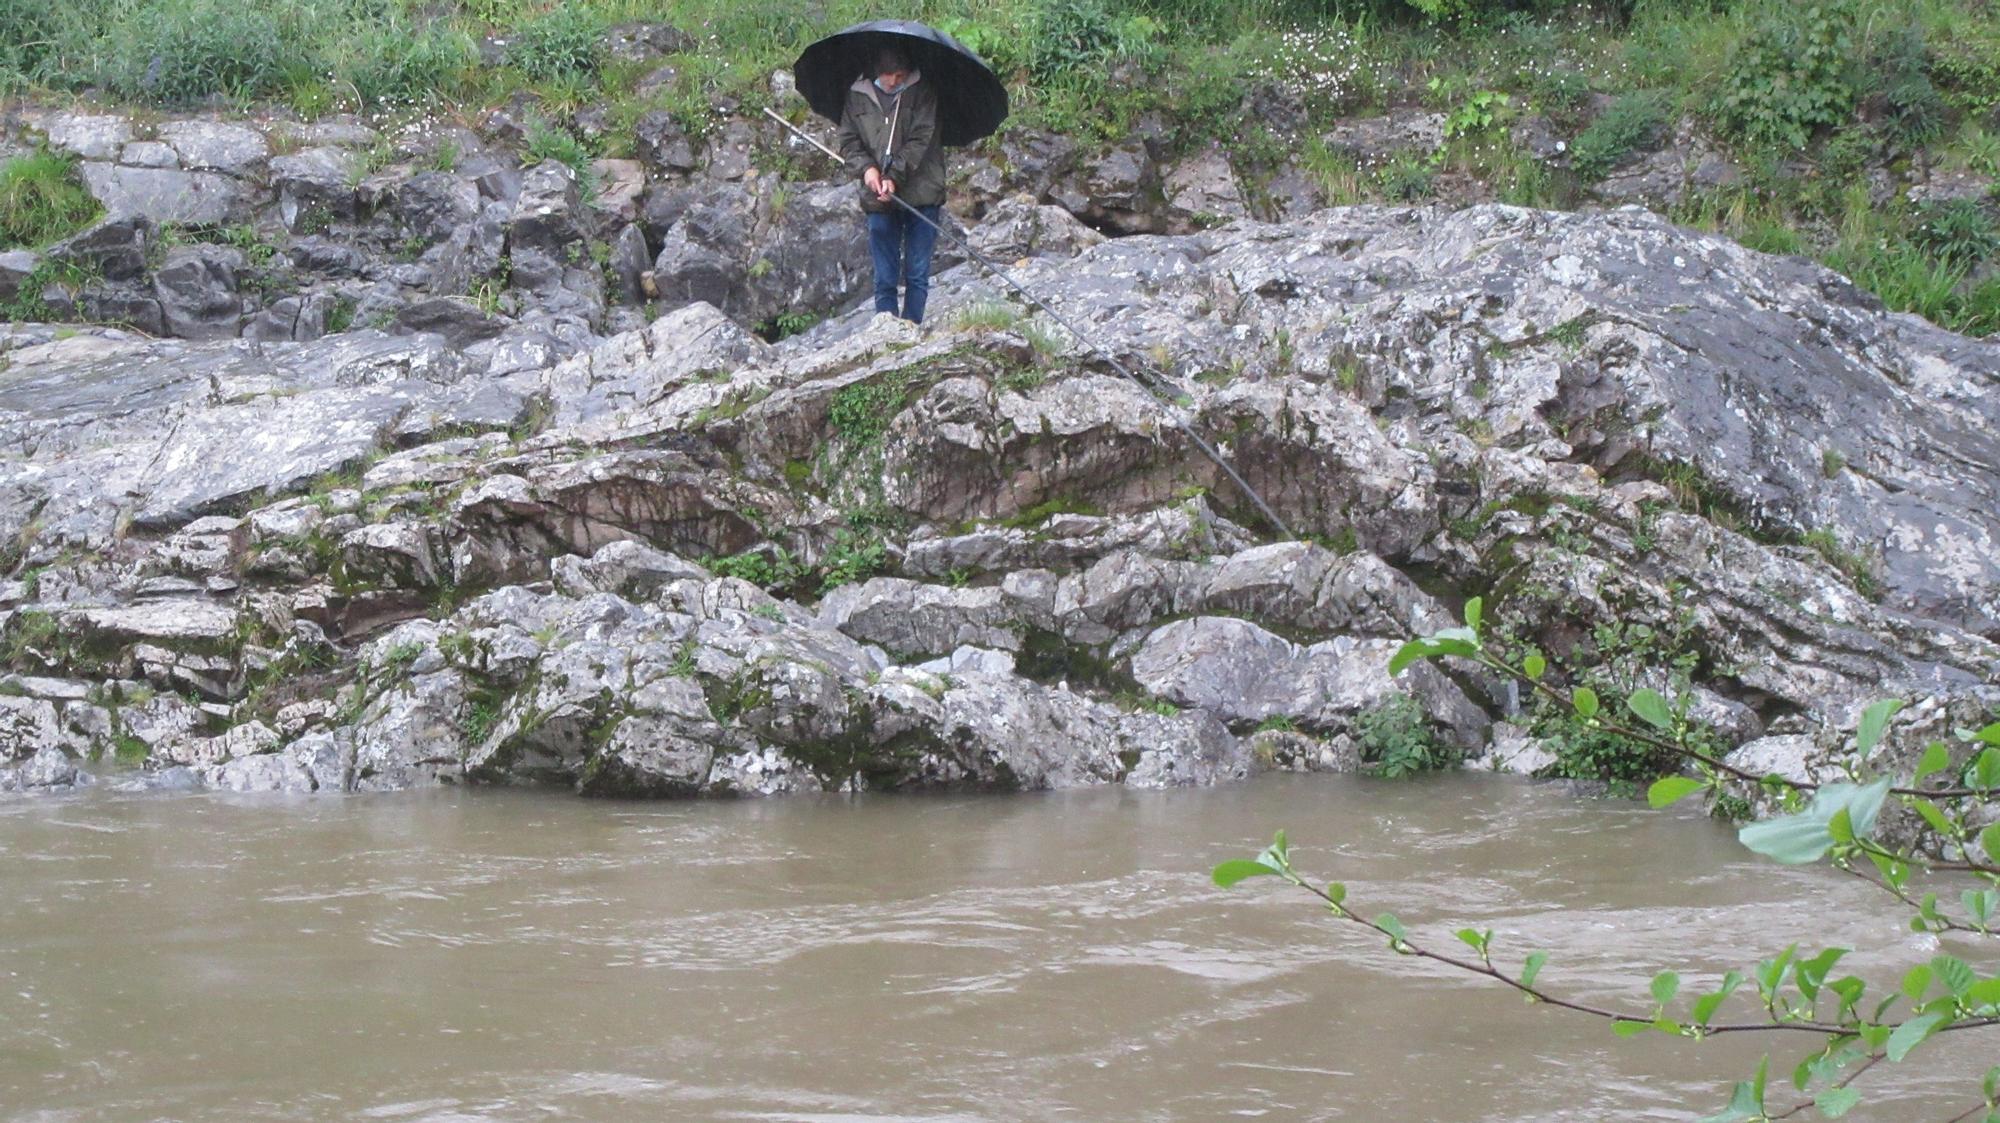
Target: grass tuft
42, 200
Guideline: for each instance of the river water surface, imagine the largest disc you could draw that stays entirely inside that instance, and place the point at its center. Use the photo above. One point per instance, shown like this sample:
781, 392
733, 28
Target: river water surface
499, 956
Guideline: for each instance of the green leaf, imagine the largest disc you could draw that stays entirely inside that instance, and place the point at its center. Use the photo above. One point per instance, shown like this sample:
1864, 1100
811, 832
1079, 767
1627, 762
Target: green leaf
1414, 651
1936, 759
1955, 974
1791, 839
1239, 869
1864, 803
1986, 769
1991, 1085
1631, 1029
1534, 666
1807, 836
1989, 735
1836, 1102
1913, 1033
1474, 609
1841, 827
1706, 1005
1533, 967
1929, 910
1669, 790
1336, 892
1812, 972
1804, 1071
1747, 1100
1387, 922
1850, 990
1475, 939
1917, 980
1874, 720
1585, 701
1771, 972
1928, 812
1989, 841
1666, 984
1985, 992
1654, 709
1894, 871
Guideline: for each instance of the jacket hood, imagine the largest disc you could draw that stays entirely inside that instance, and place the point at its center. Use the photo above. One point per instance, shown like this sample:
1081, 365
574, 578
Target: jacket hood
867, 85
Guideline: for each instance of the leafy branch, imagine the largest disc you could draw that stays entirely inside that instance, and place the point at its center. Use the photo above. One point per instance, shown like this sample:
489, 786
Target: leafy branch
1839, 817
1669, 724
1834, 821
1942, 996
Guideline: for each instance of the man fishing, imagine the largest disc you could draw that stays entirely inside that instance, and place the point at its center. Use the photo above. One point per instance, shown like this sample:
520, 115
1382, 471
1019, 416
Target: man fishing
889, 140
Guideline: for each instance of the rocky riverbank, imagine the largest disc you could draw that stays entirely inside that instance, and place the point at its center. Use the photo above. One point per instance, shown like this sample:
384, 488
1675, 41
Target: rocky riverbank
425, 467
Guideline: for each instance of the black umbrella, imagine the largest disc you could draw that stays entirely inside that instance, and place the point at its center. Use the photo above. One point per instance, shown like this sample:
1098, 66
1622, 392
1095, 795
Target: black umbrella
971, 100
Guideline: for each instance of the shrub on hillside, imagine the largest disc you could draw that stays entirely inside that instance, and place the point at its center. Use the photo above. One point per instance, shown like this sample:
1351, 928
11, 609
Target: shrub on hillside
1956, 231
1072, 38
1913, 110
1633, 122
565, 42
1789, 76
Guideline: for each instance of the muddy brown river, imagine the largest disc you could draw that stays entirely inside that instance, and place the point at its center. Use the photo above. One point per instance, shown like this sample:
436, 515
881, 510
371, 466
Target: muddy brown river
499, 956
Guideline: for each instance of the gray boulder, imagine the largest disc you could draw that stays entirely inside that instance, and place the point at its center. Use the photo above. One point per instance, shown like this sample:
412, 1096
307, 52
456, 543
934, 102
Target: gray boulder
662, 144
16, 266
430, 205
315, 186
217, 146
1018, 228
548, 216
1246, 675
1202, 191
165, 194
629, 260
114, 249
196, 288
87, 136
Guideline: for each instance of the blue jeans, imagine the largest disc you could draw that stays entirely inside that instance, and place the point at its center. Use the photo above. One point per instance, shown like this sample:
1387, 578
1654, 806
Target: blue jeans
902, 248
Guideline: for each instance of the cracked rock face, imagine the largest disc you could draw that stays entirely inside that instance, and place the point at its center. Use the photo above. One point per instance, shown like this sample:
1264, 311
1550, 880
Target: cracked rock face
683, 561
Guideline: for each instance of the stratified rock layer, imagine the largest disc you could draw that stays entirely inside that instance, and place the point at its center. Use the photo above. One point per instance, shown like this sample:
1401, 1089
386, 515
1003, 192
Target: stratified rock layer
681, 560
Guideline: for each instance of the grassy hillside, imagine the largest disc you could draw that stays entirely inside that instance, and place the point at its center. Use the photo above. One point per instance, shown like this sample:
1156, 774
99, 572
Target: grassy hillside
1814, 100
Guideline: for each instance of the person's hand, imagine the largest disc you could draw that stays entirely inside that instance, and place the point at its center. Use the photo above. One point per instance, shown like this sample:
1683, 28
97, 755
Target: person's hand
885, 189
872, 178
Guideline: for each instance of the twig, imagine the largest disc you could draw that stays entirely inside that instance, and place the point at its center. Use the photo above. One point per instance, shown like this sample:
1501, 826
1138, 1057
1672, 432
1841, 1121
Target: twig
1845, 1082
1948, 923
1407, 947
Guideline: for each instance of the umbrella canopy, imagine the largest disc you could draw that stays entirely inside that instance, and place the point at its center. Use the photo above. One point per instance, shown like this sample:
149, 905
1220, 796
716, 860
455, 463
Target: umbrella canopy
971, 100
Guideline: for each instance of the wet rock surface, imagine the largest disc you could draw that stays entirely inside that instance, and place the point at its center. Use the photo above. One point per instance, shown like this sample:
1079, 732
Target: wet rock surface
502, 547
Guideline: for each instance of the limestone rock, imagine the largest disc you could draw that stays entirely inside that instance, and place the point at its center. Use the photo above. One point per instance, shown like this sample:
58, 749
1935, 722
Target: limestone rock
547, 216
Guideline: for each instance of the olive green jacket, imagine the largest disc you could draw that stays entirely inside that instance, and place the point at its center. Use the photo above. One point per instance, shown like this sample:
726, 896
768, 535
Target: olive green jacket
909, 138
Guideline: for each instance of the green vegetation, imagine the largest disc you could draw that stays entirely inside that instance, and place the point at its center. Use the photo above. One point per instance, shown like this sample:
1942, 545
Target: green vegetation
1794, 995
784, 325
42, 200
1630, 123
546, 142
1808, 99
1397, 739
992, 315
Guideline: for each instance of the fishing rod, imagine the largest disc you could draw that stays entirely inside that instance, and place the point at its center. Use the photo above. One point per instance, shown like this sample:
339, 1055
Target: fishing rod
1167, 404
